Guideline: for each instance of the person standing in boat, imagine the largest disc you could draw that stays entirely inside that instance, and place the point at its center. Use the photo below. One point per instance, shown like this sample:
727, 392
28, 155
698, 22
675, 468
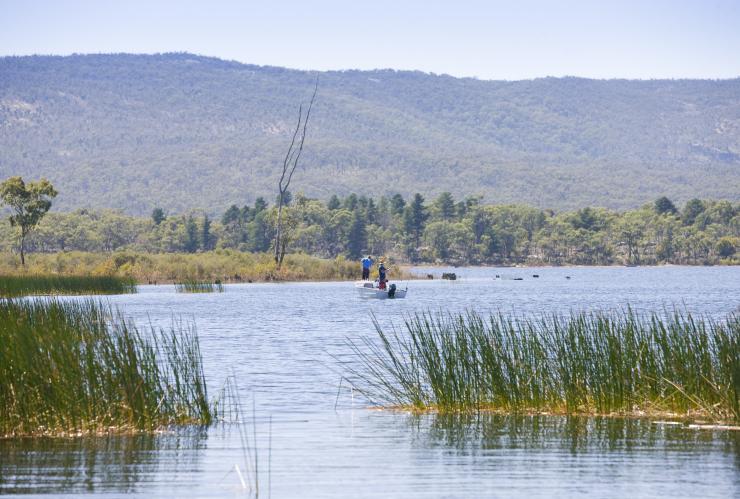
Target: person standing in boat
367, 263
381, 274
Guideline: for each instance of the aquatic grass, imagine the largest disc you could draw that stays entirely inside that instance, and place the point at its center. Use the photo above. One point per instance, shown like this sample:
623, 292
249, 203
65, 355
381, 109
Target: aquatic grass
71, 367
24, 285
196, 286
583, 363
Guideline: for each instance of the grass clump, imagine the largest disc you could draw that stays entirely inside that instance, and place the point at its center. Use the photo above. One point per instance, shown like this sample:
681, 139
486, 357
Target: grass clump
70, 367
196, 286
584, 363
24, 285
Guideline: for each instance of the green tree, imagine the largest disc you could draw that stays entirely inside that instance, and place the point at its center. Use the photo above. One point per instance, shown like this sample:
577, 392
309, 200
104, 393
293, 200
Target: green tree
414, 217
584, 218
357, 236
350, 202
397, 204
233, 214
259, 205
29, 203
291, 220
468, 205
692, 210
191, 235
246, 214
664, 205
723, 212
158, 216
334, 203
258, 232
371, 212
337, 231
630, 229
663, 235
206, 237
444, 207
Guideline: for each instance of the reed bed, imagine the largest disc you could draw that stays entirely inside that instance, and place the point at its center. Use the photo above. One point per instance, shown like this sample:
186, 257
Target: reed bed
584, 363
161, 268
24, 285
70, 367
196, 286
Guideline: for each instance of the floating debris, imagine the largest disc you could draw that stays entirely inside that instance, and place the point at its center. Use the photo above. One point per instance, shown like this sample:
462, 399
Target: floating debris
713, 427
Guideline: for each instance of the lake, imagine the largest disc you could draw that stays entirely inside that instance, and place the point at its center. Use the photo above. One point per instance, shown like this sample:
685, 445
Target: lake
285, 345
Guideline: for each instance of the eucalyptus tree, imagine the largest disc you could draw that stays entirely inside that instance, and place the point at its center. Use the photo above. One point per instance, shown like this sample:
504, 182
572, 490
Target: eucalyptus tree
29, 203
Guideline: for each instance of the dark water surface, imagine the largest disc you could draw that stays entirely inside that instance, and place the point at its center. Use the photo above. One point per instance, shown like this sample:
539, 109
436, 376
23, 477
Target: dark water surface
285, 345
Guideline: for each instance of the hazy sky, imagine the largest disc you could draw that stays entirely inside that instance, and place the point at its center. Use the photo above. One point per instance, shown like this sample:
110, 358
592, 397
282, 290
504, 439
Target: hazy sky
489, 39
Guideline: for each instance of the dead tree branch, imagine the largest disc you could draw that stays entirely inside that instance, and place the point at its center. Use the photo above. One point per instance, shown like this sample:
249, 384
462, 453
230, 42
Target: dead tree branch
290, 164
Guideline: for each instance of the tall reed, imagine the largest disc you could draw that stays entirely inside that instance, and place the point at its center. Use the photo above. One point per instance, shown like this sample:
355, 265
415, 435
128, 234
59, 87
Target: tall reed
195, 286
80, 366
224, 265
23, 285
617, 362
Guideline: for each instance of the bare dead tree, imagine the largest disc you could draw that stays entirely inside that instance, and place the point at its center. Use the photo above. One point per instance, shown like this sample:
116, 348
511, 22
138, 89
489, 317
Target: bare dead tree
290, 163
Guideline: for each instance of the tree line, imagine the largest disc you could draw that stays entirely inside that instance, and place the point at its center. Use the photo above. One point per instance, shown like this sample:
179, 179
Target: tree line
414, 230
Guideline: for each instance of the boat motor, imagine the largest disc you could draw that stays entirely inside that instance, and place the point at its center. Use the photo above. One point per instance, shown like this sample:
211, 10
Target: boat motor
392, 291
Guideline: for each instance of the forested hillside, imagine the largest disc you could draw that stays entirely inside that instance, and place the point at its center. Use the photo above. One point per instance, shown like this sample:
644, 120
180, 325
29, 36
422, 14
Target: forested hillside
183, 132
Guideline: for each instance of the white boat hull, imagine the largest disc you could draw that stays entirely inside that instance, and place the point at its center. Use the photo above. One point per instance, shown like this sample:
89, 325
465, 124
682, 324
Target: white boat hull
367, 291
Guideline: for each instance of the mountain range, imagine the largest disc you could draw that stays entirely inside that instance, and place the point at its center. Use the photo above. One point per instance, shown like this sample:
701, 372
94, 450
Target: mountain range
184, 132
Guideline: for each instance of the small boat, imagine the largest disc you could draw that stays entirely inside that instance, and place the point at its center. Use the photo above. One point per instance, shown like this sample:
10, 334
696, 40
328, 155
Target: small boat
369, 290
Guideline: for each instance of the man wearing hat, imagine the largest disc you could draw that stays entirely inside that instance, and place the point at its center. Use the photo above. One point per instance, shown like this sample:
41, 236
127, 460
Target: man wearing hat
381, 274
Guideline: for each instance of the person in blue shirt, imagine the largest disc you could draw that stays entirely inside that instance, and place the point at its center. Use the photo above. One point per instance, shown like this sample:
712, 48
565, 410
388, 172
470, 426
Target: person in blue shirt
367, 262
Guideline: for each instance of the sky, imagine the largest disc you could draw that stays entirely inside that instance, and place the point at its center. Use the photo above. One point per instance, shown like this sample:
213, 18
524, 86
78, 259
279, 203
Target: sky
509, 40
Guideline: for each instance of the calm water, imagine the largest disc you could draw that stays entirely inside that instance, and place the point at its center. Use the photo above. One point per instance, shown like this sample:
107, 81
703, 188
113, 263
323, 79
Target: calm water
285, 344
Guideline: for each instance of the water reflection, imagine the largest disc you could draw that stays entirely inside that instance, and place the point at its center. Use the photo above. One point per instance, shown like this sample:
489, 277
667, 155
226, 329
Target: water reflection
97, 464
470, 433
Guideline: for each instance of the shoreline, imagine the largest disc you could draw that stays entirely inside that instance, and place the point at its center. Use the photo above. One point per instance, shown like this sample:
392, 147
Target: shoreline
173, 268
